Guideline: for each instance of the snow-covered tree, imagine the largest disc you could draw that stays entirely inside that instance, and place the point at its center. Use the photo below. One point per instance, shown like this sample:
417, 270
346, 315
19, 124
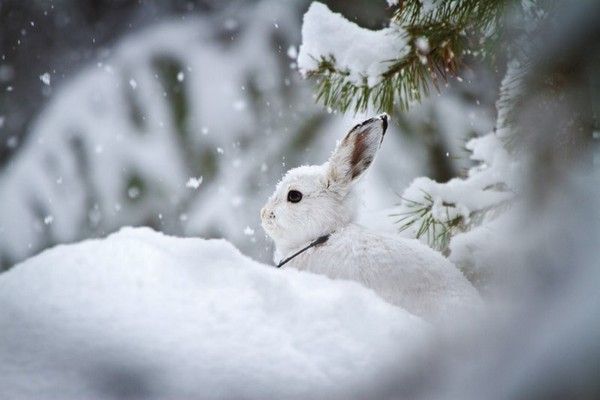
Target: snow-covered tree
392, 69
424, 44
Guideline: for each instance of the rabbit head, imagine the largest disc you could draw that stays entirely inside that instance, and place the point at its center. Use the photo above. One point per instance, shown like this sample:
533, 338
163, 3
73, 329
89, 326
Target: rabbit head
311, 201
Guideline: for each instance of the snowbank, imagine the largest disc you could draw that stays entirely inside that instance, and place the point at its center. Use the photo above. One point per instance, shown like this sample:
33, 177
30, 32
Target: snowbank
140, 314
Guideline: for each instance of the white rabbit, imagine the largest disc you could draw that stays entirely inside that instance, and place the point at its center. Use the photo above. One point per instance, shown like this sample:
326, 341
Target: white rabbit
314, 202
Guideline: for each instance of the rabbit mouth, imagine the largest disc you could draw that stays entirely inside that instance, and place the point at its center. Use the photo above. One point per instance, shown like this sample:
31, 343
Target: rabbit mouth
269, 225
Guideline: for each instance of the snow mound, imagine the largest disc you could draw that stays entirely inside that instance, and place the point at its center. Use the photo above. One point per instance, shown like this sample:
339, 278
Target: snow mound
141, 314
363, 53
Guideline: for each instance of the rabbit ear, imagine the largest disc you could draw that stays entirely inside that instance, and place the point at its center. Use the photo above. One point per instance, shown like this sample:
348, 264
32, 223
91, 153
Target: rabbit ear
356, 151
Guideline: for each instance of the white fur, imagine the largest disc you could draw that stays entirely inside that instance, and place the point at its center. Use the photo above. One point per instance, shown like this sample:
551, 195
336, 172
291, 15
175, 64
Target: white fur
402, 271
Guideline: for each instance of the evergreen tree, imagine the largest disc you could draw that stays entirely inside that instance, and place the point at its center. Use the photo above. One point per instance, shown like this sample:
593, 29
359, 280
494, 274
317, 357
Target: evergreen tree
441, 34
440, 37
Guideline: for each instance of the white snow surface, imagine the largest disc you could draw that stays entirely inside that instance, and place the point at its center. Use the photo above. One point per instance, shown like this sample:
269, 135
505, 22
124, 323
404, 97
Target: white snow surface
362, 52
144, 315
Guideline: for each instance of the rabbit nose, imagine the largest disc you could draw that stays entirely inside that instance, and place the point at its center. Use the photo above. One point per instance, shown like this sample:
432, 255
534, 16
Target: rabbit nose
265, 213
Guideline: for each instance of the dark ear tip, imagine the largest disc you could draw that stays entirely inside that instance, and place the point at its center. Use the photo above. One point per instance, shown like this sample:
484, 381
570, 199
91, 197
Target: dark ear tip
384, 118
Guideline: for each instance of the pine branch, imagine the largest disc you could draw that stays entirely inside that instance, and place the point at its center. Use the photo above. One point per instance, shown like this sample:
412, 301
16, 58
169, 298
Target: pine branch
420, 215
438, 232
508, 104
439, 39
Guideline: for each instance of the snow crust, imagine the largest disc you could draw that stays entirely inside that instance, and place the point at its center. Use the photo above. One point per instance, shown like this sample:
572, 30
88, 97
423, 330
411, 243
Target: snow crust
364, 53
141, 314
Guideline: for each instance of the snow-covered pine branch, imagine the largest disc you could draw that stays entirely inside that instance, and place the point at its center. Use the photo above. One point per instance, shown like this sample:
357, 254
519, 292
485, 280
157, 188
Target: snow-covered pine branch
440, 212
436, 211
425, 42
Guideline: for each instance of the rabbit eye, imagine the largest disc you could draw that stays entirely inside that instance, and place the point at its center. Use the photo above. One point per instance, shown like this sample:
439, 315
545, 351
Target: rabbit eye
294, 196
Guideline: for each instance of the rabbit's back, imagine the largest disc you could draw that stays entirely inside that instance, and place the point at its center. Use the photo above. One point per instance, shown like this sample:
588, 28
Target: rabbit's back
404, 272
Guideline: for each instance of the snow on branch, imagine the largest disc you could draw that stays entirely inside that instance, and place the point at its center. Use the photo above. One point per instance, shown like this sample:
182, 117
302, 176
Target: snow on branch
362, 54
509, 99
438, 212
424, 44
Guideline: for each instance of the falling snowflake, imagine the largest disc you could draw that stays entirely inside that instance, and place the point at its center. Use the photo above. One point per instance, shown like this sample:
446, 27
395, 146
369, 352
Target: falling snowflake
45, 78
292, 52
133, 192
194, 183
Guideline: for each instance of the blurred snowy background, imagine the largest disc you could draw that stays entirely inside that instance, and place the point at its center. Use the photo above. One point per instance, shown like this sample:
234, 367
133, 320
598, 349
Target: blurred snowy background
182, 116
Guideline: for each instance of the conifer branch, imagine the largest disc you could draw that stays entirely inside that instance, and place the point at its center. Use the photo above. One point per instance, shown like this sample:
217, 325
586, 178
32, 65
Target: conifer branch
439, 39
